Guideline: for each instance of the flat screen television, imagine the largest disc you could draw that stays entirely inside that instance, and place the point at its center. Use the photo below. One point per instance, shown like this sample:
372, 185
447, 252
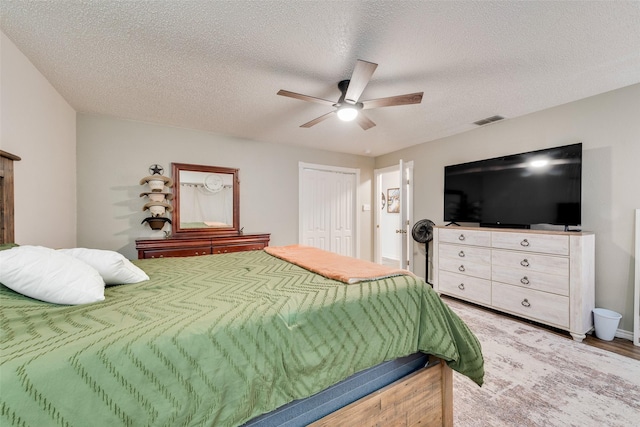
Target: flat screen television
537, 187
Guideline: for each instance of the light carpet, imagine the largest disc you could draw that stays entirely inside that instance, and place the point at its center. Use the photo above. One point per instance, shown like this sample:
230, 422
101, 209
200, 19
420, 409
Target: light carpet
535, 377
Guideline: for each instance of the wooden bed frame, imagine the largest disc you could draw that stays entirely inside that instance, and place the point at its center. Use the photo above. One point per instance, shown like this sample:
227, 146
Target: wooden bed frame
6, 196
423, 398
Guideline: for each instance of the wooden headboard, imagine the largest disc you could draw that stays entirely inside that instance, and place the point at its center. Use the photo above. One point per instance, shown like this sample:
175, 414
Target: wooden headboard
6, 196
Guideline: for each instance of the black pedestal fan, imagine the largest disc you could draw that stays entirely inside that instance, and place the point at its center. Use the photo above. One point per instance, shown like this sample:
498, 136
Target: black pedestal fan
422, 232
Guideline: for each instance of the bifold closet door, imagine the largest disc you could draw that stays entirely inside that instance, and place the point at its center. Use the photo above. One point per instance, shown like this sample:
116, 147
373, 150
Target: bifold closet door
327, 210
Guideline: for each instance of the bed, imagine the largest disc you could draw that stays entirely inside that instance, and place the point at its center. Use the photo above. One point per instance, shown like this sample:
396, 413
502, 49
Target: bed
226, 340
215, 340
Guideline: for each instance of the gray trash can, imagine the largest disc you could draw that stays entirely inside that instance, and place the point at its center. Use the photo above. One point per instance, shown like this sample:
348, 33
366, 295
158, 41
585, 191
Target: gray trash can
606, 323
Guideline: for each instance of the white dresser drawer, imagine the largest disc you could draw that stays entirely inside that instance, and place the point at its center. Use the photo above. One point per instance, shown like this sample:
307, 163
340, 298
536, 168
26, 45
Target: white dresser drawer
462, 266
551, 272
465, 287
531, 262
465, 237
535, 305
531, 279
543, 243
466, 253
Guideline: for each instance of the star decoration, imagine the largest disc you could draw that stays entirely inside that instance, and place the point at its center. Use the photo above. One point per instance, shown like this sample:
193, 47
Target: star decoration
156, 170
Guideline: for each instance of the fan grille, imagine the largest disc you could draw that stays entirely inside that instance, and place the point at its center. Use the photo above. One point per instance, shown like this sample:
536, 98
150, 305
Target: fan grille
422, 231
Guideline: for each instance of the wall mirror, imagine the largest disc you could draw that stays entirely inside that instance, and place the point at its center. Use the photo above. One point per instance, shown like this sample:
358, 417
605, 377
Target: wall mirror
207, 200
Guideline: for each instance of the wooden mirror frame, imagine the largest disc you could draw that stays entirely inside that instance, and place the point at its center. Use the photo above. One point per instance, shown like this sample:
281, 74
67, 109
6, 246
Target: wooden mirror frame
176, 229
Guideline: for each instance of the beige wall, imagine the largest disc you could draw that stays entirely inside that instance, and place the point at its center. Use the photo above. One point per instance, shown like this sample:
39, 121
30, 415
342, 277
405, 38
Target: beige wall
38, 125
608, 125
114, 154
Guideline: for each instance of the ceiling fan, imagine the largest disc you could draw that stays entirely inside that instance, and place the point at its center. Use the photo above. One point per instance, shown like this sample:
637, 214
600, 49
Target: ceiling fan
348, 107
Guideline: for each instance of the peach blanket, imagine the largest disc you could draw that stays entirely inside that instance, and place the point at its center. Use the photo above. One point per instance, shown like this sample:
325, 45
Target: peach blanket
338, 267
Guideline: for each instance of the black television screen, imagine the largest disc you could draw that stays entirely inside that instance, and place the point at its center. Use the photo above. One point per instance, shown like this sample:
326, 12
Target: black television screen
538, 187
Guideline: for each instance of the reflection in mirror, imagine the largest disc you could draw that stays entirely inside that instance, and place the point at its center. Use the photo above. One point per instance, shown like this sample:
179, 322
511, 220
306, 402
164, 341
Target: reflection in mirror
206, 199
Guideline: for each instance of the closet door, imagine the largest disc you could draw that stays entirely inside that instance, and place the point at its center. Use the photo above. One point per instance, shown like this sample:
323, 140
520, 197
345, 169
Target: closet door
327, 208
342, 202
315, 209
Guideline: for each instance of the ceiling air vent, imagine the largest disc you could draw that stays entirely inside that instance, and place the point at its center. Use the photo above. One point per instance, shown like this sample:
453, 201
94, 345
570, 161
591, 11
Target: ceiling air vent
488, 120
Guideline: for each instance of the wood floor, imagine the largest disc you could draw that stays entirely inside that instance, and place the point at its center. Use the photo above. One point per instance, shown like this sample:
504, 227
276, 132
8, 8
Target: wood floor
620, 346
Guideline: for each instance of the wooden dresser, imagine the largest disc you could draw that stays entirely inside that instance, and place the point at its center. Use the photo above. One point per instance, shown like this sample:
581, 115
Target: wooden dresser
192, 246
544, 276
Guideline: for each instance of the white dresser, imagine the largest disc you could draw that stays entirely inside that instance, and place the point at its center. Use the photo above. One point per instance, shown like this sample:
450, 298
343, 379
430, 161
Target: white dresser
545, 276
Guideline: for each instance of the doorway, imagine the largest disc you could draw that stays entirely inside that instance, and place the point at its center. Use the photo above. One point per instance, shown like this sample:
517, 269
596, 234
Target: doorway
393, 204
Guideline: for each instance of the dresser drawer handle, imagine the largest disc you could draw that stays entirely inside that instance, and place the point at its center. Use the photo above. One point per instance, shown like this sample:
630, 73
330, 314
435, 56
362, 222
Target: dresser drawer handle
525, 303
524, 263
524, 281
461, 254
461, 268
525, 243
461, 237
461, 286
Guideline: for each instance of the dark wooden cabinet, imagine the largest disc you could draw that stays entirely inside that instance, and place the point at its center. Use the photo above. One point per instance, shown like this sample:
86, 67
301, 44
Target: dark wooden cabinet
194, 246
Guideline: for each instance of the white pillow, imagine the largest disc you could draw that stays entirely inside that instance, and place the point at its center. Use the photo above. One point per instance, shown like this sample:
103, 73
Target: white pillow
114, 268
49, 275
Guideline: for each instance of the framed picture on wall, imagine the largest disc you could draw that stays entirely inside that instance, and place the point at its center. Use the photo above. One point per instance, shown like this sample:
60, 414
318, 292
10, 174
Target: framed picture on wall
393, 200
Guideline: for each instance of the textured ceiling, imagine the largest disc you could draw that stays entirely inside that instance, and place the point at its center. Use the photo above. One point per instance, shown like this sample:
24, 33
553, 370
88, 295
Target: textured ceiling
217, 66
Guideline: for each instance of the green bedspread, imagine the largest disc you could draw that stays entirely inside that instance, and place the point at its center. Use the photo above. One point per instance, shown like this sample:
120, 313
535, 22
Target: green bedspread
212, 340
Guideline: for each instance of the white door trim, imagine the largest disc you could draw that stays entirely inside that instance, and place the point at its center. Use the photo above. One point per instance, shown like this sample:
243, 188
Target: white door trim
378, 191
356, 202
636, 304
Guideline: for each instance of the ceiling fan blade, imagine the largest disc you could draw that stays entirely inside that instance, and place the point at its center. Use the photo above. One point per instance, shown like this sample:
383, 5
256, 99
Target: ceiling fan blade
410, 98
305, 97
317, 120
359, 79
364, 121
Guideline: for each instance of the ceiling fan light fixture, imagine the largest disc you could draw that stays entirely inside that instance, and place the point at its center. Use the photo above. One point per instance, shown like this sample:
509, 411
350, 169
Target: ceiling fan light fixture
347, 113
348, 106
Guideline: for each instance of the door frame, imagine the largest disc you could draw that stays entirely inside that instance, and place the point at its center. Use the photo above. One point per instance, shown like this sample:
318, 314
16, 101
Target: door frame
636, 304
356, 200
377, 173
